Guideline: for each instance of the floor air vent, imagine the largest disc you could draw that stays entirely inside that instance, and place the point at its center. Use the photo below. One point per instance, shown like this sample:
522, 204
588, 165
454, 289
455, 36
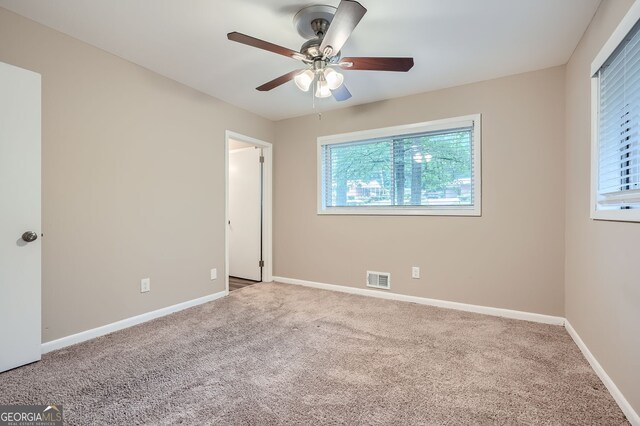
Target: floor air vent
379, 280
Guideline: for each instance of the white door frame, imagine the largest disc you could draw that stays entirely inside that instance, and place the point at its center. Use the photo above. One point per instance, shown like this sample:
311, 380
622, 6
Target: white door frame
267, 205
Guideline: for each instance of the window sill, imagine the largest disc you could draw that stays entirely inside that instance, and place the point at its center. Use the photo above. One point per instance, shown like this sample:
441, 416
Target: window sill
631, 215
407, 211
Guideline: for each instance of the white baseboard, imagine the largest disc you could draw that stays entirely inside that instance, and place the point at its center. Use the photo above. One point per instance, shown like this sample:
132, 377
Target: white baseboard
626, 408
617, 395
125, 323
382, 294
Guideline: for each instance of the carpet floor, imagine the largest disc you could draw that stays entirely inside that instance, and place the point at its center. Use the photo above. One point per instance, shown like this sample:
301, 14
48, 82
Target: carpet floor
282, 354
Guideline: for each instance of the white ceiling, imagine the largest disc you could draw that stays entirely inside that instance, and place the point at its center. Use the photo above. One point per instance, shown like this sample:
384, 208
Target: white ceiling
453, 42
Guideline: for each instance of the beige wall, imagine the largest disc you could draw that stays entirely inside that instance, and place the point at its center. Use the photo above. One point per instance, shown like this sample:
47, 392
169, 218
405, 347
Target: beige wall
133, 180
511, 257
602, 280
133, 187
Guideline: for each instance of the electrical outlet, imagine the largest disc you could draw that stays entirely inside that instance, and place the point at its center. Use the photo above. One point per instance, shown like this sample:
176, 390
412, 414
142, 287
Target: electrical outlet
145, 285
415, 272
214, 274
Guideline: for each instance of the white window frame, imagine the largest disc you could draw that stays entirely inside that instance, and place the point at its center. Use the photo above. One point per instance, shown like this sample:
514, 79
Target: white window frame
429, 126
618, 36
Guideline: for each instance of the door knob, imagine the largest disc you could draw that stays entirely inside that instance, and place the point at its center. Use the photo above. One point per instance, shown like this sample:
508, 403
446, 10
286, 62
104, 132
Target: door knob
29, 236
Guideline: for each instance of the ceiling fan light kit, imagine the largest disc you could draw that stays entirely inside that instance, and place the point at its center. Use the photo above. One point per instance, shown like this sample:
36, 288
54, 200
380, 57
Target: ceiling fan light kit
322, 88
304, 79
326, 80
334, 78
327, 29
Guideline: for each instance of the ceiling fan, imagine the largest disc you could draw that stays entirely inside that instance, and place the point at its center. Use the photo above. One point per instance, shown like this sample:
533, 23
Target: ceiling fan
327, 29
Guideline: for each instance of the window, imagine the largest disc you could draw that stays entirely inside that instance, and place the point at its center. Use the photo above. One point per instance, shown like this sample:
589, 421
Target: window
420, 169
615, 169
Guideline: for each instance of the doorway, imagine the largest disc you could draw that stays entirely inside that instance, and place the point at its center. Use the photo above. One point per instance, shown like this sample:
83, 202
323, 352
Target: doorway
248, 220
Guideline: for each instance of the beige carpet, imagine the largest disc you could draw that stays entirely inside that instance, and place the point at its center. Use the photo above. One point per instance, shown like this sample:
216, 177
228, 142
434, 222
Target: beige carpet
280, 354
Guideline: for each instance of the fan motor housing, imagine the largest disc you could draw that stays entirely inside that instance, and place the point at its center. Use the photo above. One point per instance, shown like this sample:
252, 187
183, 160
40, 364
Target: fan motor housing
311, 48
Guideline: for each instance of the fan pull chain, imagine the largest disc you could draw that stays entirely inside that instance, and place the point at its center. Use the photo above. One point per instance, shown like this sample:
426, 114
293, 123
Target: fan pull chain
313, 98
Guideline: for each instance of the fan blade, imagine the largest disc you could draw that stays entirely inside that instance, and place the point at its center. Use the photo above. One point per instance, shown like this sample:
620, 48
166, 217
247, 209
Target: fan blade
347, 16
278, 81
377, 64
265, 45
341, 93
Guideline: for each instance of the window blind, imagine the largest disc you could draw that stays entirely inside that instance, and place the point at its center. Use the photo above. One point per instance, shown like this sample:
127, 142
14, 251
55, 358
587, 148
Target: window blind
619, 126
428, 169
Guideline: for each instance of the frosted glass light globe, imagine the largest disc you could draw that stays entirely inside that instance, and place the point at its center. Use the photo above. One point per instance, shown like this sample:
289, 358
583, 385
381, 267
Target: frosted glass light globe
334, 79
322, 89
304, 80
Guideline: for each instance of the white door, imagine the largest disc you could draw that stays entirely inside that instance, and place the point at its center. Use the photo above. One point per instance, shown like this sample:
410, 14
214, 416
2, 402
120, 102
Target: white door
20, 336
245, 180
